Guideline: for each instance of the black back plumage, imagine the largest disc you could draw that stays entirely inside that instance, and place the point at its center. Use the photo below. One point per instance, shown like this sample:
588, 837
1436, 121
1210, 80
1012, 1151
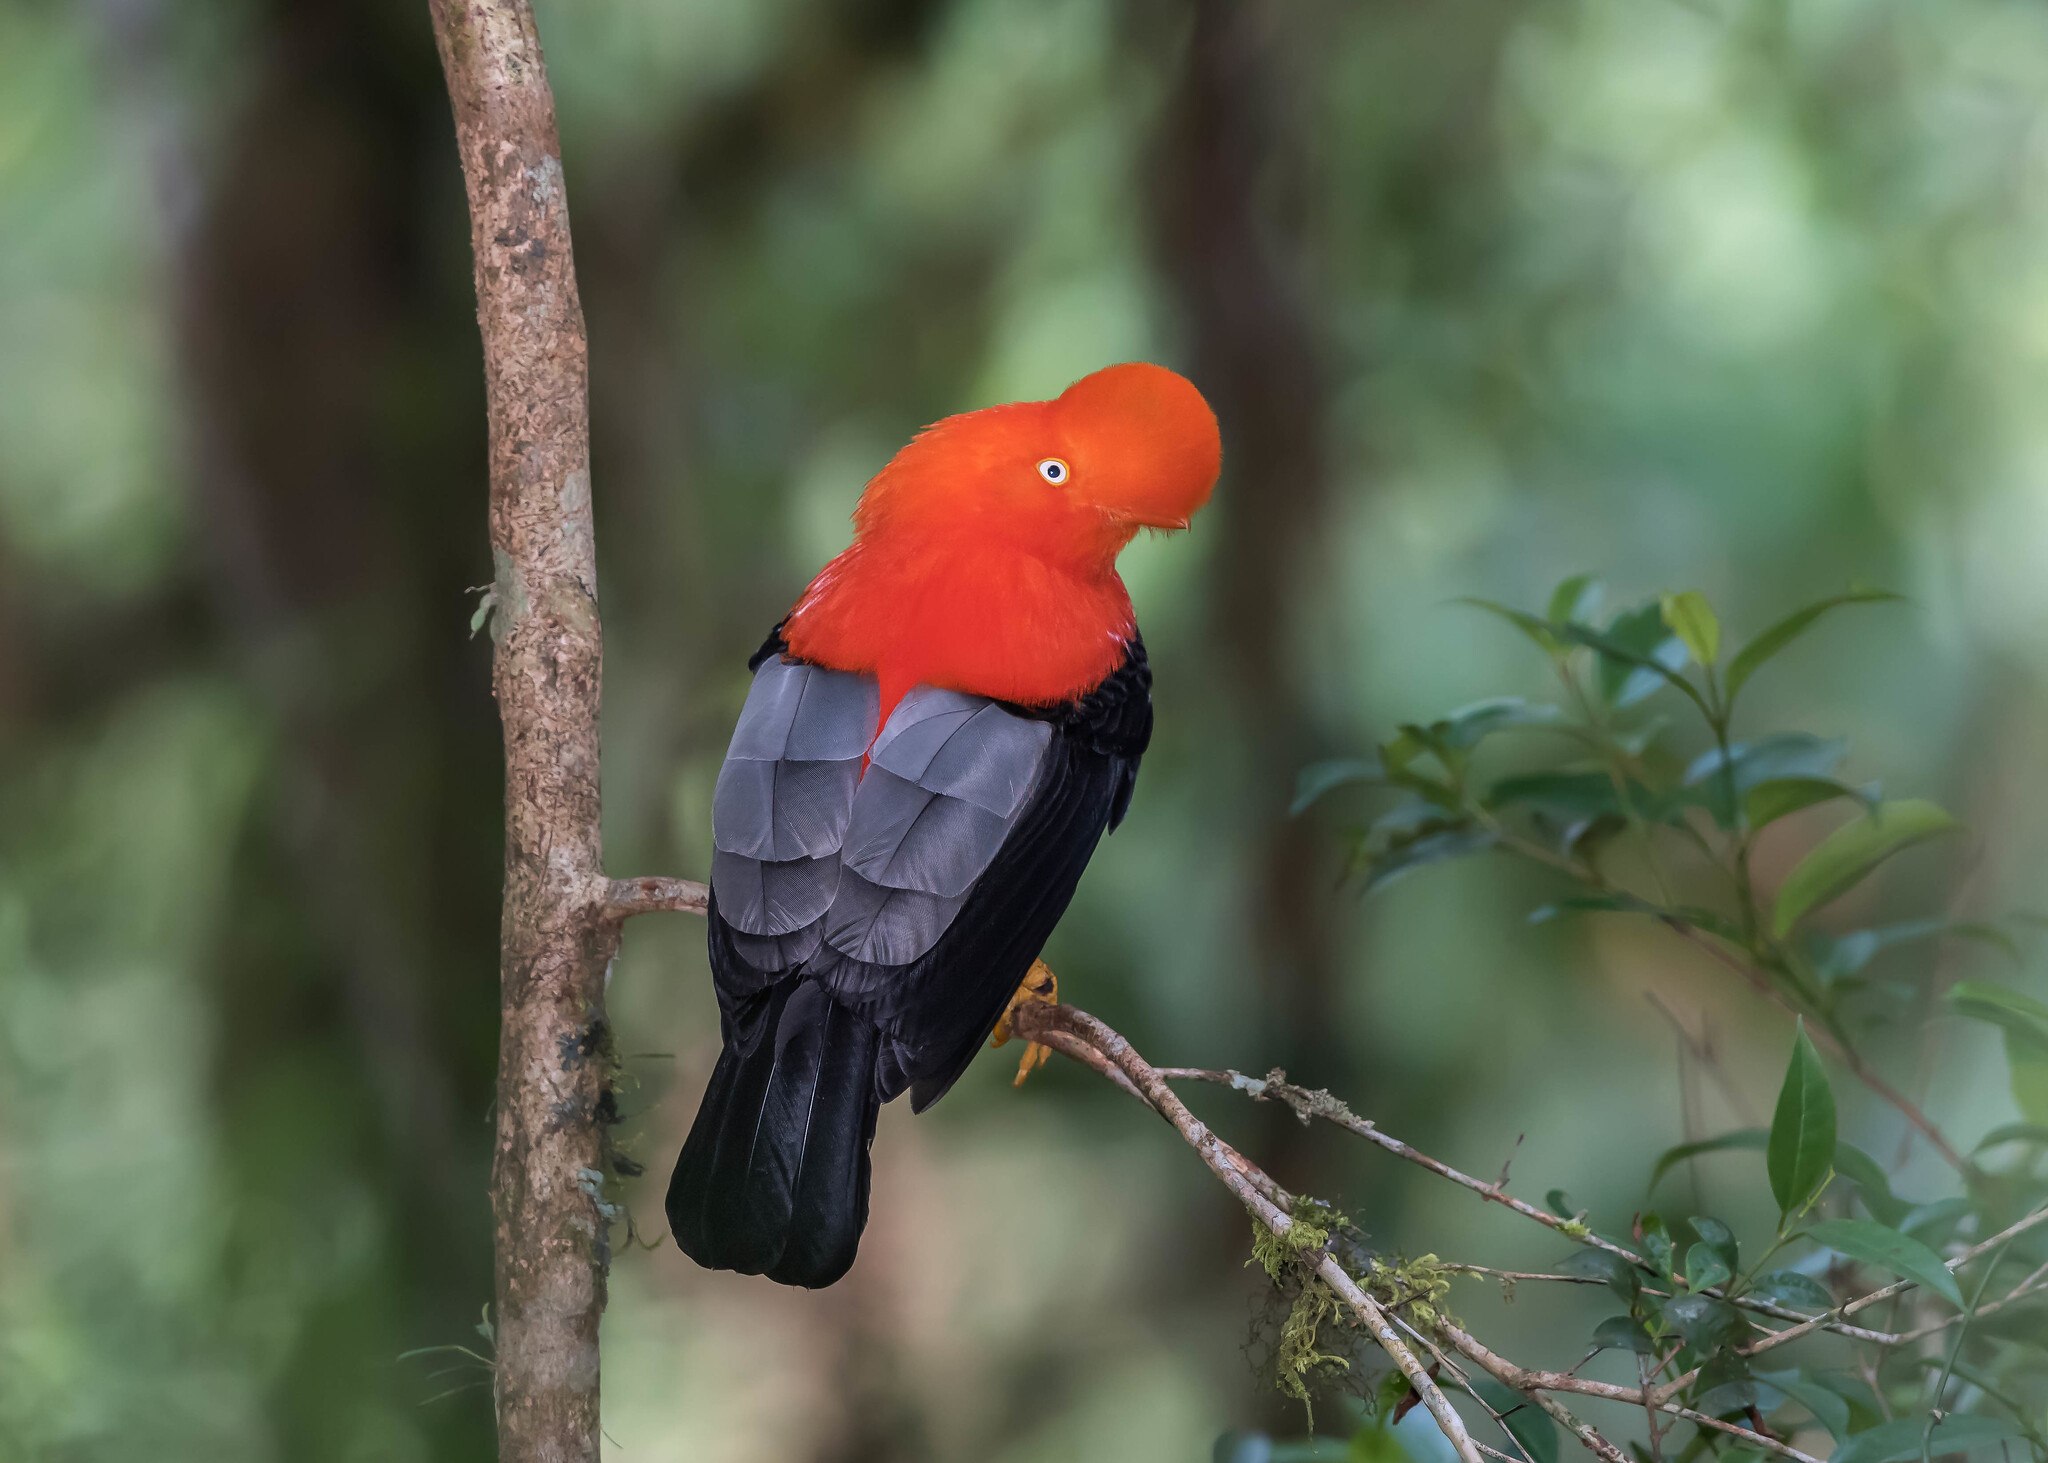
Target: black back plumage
866, 931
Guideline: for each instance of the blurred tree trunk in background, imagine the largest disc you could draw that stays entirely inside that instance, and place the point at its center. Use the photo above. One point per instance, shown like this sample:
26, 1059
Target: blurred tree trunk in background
323, 370
1221, 233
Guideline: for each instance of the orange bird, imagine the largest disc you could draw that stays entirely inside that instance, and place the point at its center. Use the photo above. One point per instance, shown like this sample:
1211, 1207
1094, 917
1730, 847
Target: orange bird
936, 738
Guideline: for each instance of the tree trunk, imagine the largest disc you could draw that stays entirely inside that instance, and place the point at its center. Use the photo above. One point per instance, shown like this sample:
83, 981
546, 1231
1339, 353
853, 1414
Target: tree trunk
555, 940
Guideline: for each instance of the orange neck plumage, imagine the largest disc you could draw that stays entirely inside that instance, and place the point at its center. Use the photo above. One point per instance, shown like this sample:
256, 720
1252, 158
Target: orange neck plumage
982, 616
984, 552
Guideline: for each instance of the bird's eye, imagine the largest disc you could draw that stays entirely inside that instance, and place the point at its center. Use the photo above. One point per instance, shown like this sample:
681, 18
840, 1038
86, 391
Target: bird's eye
1053, 470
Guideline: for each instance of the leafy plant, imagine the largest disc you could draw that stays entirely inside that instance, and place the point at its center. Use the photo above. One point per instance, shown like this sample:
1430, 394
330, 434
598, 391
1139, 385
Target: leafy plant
1846, 1328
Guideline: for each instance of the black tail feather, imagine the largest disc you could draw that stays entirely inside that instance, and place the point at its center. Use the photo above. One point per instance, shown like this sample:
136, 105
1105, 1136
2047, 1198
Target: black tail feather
773, 1179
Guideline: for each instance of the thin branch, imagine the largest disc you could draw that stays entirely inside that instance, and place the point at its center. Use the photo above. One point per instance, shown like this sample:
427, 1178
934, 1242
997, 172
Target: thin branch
1538, 1385
1036, 1022
1315, 1103
1702, 1049
1826, 1040
1864, 1302
1087, 1040
1762, 984
1043, 1023
624, 898
1311, 1103
2033, 1285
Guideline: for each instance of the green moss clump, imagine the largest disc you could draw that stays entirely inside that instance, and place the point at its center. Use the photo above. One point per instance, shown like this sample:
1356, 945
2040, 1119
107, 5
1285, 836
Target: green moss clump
1289, 1259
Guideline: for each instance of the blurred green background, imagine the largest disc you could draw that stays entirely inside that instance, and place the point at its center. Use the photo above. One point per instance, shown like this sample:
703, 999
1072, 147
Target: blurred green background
1750, 295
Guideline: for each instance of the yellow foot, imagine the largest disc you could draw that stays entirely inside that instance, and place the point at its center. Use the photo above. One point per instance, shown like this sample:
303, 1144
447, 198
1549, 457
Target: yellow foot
1040, 985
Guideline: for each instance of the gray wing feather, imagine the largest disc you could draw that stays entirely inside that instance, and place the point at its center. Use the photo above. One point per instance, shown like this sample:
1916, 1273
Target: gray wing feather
886, 926
784, 798
786, 789
948, 780
761, 898
782, 810
805, 713
907, 837
964, 747
779, 952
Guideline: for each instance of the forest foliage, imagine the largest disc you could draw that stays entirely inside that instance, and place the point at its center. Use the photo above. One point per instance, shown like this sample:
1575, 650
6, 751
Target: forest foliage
1642, 794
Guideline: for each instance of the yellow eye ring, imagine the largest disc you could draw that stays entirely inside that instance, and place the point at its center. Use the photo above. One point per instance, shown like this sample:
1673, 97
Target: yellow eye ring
1054, 470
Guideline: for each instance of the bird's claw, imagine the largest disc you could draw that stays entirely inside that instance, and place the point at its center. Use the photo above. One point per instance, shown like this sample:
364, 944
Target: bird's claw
1040, 985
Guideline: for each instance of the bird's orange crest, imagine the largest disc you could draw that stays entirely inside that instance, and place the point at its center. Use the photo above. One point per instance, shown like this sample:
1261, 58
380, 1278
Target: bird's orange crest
984, 554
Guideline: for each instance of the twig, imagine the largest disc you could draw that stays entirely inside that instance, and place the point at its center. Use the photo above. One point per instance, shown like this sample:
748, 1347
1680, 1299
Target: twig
1314, 1103
1509, 1375
1764, 987
1702, 1049
1827, 1041
1094, 1044
1864, 1302
1311, 1103
1539, 1385
2032, 1285
625, 898
1650, 1412
1035, 1022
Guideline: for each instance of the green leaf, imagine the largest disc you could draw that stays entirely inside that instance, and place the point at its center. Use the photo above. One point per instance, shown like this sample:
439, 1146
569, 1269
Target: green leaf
1615, 902
1691, 618
1670, 1158
1779, 797
1782, 634
1563, 795
1901, 1255
1576, 598
1431, 848
1623, 1333
1537, 630
1569, 804
2027, 1067
1860, 1169
1781, 754
1321, 778
1705, 1268
1897, 1442
1935, 1221
1829, 1410
1469, 725
2024, 1021
1726, 1386
1406, 821
1638, 653
1789, 1287
2016, 1012
1616, 1273
2035, 1134
1746, 765
1844, 857
1802, 1146
1706, 1323
1717, 1237
1656, 1241
1851, 952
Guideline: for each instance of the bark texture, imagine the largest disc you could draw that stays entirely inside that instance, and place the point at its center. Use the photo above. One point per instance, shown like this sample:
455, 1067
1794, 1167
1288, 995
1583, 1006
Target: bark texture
548, 1168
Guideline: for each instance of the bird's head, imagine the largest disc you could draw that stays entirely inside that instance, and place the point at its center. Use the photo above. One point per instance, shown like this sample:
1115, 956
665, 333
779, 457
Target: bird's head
1074, 478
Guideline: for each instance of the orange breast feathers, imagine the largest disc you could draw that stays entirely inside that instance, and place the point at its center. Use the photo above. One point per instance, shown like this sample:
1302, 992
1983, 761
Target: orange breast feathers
984, 554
